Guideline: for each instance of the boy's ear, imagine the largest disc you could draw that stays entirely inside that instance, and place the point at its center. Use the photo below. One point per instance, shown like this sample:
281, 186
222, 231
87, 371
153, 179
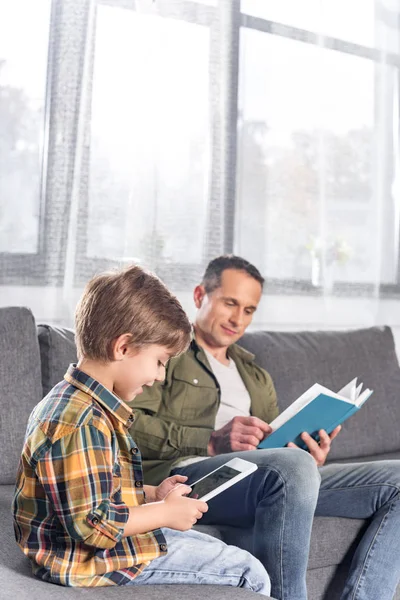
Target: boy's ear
198, 295
121, 346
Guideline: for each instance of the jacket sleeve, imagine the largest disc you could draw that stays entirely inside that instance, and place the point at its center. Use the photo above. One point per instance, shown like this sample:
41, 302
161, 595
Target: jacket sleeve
159, 439
273, 409
265, 403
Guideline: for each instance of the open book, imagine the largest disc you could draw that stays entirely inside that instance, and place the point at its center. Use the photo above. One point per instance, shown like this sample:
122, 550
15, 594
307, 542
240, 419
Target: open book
318, 408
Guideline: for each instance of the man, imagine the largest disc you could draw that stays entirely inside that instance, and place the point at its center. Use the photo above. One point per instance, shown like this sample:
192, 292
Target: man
216, 403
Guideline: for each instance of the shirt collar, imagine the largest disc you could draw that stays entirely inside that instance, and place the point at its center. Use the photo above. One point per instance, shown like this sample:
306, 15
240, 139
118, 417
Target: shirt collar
101, 394
234, 351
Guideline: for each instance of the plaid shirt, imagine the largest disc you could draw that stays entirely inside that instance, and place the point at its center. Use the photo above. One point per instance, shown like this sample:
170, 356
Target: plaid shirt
79, 471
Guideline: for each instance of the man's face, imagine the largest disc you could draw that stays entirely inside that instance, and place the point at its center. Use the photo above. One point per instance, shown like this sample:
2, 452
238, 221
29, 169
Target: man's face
224, 314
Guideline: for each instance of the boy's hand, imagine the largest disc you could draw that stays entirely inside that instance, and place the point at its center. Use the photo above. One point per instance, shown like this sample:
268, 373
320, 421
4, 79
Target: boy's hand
182, 513
166, 486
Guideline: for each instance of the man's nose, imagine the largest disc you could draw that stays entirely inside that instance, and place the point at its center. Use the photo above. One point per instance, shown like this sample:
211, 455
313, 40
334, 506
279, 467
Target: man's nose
237, 317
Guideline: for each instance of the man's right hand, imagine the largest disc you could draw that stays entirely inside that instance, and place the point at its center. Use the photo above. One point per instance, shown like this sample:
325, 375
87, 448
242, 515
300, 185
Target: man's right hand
182, 513
241, 433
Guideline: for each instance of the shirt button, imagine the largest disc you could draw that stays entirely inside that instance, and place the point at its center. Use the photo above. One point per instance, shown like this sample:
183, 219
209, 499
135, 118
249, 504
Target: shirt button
195, 381
163, 547
131, 418
134, 450
138, 484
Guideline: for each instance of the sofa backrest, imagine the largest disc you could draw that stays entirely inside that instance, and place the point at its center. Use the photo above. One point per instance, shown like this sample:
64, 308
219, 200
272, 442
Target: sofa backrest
20, 384
57, 351
298, 360
28, 370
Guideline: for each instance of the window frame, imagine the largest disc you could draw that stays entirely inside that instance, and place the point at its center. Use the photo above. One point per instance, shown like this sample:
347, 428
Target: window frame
31, 265
225, 21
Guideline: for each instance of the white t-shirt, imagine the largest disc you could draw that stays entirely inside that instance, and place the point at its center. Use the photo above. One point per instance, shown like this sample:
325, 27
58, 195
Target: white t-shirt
235, 399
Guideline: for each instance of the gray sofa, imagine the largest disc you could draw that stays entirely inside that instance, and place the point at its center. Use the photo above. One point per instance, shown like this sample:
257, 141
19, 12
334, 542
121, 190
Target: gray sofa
34, 358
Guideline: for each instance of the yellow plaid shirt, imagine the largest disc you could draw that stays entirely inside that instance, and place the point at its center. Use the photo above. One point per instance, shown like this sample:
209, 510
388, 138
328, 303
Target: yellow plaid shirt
79, 471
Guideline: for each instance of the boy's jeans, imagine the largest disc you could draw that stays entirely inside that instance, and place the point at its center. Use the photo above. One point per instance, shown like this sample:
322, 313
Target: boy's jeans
194, 557
280, 500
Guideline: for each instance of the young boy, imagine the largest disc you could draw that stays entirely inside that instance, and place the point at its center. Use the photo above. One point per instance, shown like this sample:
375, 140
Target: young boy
81, 511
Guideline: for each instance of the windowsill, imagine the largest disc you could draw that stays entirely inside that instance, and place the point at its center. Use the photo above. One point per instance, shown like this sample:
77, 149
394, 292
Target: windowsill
277, 312
281, 307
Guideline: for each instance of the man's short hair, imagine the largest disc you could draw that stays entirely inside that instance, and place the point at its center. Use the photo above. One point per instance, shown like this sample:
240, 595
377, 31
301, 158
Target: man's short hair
132, 301
212, 276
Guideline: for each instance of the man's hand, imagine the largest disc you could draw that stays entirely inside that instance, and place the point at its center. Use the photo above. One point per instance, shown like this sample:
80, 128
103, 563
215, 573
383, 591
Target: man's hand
318, 451
162, 490
241, 433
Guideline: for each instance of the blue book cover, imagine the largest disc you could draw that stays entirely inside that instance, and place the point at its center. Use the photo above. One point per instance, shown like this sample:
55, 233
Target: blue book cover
323, 411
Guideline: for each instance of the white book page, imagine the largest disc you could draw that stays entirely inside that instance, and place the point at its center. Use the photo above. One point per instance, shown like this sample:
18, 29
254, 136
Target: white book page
349, 390
307, 397
299, 404
352, 392
363, 397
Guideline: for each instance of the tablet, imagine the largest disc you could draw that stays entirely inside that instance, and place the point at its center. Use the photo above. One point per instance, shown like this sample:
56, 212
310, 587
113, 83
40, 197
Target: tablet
221, 479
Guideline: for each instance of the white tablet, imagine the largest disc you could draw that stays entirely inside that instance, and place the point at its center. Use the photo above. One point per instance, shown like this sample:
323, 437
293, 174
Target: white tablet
221, 479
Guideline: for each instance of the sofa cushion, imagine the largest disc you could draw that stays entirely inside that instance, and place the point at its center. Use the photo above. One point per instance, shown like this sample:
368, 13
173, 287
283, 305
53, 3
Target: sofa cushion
298, 360
369, 458
343, 535
20, 384
57, 352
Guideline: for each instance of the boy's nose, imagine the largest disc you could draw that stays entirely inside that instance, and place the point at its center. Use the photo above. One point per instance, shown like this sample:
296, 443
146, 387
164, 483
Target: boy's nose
161, 374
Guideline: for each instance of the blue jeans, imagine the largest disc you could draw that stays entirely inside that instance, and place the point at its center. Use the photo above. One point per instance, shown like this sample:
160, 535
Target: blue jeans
194, 557
279, 501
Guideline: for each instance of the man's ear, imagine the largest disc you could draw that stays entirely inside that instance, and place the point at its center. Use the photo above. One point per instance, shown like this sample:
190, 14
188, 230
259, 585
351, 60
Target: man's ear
198, 295
121, 346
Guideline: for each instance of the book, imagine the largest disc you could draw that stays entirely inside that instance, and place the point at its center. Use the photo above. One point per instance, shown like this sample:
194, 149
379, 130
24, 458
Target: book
318, 408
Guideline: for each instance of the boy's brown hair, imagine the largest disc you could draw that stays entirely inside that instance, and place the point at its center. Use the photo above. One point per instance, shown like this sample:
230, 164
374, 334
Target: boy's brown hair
132, 301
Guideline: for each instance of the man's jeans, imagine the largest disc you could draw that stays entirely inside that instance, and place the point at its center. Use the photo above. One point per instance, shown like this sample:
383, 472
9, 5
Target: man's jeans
280, 500
197, 558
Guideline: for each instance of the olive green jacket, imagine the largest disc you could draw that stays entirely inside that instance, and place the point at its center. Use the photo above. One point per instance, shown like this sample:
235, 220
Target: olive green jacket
174, 420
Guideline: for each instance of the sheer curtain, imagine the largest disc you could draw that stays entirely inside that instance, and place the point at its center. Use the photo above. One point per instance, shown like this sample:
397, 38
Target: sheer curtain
166, 132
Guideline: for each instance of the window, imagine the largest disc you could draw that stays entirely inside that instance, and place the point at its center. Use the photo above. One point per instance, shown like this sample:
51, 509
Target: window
150, 146
175, 130
23, 67
313, 110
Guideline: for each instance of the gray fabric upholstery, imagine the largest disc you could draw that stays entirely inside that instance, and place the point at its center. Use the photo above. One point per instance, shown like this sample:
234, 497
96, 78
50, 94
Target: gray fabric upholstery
326, 583
57, 352
341, 533
20, 386
298, 360
375, 457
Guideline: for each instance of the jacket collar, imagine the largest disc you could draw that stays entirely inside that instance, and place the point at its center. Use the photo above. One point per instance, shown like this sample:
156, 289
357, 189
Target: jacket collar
234, 352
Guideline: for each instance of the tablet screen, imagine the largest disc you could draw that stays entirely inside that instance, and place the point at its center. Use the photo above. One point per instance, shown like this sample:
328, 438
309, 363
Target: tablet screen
212, 481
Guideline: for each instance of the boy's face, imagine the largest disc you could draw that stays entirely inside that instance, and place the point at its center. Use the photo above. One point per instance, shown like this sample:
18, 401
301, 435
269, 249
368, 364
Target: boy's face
138, 368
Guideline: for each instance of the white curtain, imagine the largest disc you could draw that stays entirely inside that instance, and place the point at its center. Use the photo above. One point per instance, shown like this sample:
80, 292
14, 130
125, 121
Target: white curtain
166, 132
